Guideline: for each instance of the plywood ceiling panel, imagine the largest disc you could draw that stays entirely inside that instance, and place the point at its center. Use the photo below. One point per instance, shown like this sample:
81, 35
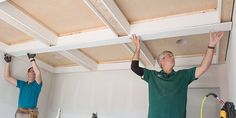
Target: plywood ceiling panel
10, 35
105, 54
138, 10
55, 59
61, 16
194, 45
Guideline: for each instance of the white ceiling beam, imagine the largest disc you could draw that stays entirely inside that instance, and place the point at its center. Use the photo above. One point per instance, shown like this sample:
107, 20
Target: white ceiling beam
80, 58
147, 55
92, 39
71, 69
13, 16
176, 22
110, 14
117, 15
127, 47
131, 51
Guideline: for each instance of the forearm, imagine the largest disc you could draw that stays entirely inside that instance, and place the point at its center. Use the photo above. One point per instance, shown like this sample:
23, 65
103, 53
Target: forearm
35, 68
38, 77
7, 73
136, 54
206, 62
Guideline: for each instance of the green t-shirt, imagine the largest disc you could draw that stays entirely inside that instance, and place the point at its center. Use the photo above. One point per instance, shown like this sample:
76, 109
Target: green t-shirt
168, 93
29, 94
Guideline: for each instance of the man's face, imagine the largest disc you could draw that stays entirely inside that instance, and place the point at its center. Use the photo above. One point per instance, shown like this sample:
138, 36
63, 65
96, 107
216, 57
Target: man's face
167, 61
31, 74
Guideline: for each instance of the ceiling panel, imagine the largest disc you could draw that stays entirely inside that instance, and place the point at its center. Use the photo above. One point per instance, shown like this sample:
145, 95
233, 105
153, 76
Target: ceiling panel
105, 54
64, 17
10, 35
55, 59
190, 46
138, 10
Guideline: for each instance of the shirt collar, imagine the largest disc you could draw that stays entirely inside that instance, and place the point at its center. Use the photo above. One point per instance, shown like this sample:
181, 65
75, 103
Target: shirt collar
167, 75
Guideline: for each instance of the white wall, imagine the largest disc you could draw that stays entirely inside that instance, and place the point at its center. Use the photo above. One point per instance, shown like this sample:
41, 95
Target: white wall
9, 93
121, 94
231, 61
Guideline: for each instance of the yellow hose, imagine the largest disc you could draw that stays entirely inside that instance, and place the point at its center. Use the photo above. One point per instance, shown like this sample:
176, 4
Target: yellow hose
203, 101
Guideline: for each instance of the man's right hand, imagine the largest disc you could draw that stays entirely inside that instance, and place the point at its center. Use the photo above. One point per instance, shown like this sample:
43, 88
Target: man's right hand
7, 58
136, 41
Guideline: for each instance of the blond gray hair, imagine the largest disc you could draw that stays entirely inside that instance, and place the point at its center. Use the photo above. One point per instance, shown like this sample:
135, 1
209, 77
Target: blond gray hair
162, 55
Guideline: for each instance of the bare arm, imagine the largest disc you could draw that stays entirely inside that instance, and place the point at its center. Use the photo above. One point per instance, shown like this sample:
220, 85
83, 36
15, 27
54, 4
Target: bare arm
206, 62
7, 72
136, 41
38, 77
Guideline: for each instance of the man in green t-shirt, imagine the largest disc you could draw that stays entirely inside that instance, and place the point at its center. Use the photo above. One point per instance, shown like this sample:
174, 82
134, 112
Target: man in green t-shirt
168, 88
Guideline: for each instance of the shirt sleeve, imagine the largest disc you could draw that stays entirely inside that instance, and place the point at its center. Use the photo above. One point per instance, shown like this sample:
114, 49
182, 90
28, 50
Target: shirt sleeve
147, 74
135, 68
38, 85
190, 75
19, 83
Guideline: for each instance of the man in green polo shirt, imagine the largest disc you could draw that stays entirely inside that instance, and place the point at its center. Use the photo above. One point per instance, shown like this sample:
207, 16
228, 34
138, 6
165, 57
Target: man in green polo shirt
29, 90
168, 88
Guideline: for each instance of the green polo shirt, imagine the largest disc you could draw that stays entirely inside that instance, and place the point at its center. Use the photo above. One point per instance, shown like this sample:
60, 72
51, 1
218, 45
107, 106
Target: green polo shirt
168, 93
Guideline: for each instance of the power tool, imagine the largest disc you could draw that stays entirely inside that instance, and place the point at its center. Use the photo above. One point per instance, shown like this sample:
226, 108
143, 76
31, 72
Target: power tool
227, 110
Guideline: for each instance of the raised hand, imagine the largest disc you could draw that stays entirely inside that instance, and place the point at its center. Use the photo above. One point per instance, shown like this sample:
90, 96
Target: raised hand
31, 56
7, 58
136, 41
215, 38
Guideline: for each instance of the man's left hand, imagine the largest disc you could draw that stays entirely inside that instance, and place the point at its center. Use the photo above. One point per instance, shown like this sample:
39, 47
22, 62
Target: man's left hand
215, 38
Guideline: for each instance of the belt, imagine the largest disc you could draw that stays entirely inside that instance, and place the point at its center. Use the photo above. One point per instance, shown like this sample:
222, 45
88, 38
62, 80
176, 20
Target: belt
27, 111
